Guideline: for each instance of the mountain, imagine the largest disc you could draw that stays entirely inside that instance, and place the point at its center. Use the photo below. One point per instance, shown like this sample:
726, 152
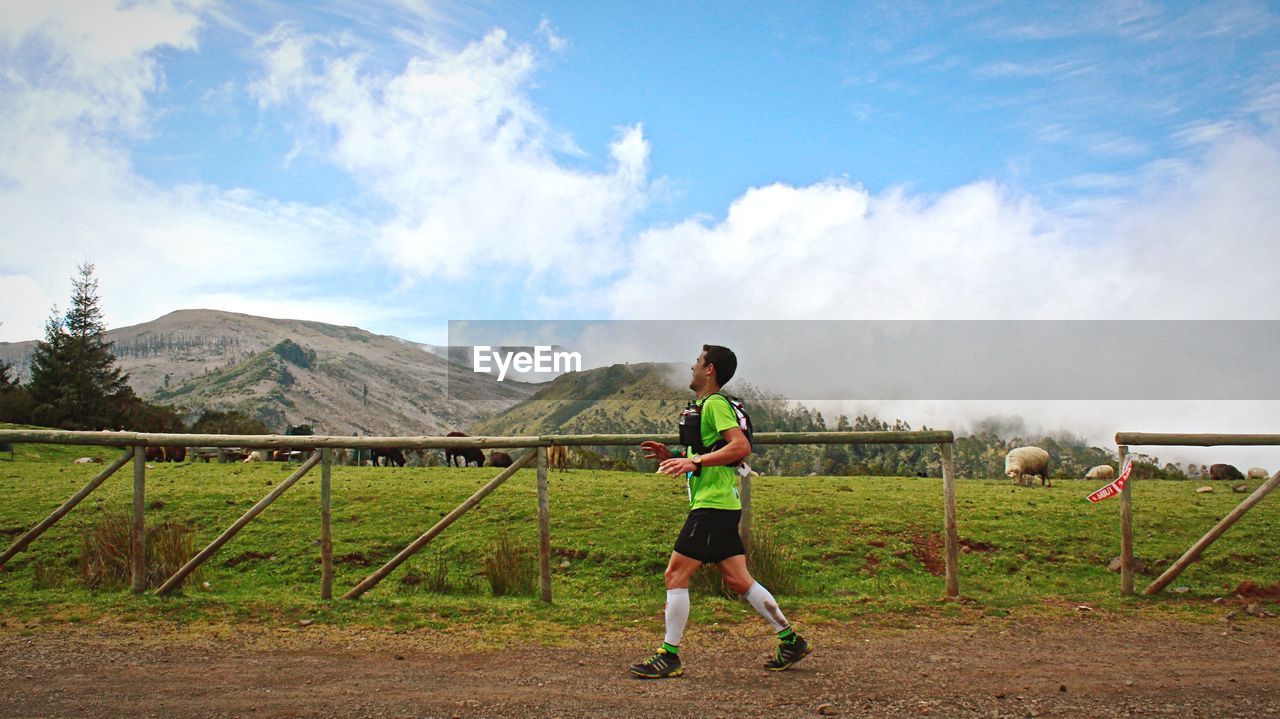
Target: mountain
340, 380
621, 399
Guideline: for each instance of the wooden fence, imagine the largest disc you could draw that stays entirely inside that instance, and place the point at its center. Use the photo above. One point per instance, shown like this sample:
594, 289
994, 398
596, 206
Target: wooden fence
1124, 440
134, 445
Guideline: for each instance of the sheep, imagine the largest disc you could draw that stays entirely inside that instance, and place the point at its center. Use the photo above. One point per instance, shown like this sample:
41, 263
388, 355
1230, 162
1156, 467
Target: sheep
1257, 473
1103, 471
1023, 464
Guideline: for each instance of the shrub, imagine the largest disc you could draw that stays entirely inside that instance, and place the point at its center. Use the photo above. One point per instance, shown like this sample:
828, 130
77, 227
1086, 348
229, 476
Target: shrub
106, 551
770, 564
510, 568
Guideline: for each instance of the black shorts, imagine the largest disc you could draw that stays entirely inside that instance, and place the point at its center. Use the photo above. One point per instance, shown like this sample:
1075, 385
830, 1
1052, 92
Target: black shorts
711, 535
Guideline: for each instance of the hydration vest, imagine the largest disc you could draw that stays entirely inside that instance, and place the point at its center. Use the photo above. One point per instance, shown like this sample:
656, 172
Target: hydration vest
691, 428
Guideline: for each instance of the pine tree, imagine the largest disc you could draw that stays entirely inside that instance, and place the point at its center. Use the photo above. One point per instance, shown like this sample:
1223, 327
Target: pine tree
75, 383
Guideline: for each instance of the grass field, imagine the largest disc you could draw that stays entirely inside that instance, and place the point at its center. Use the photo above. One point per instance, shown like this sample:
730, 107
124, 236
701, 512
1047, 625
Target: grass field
855, 547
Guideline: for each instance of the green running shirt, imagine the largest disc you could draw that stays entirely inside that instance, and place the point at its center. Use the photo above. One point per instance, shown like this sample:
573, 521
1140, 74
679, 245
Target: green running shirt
715, 487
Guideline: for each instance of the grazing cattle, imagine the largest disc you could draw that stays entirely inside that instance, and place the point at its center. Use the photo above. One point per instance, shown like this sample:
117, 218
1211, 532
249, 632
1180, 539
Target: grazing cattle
1103, 471
1224, 471
166, 454
391, 455
1257, 473
470, 456
1023, 464
558, 457
498, 458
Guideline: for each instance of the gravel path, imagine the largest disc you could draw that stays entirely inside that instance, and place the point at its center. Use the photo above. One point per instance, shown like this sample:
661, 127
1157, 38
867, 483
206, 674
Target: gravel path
1085, 665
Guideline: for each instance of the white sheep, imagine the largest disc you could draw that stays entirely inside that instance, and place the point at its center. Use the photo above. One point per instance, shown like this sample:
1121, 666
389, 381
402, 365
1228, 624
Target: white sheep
1103, 471
1023, 464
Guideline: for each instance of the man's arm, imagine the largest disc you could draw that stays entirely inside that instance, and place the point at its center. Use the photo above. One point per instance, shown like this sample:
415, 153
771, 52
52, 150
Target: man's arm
655, 450
728, 455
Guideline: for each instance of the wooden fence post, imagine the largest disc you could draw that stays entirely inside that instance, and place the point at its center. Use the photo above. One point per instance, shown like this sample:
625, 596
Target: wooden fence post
744, 522
544, 526
31, 534
139, 531
951, 534
176, 580
326, 535
1126, 530
1196, 549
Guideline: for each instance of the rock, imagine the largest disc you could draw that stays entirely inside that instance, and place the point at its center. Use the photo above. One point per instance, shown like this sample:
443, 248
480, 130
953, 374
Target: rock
1128, 682
564, 564
89, 460
1062, 688
1181, 590
206, 586
1254, 610
305, 622
827, 709
1204, 490
1139, 565
399, 657
1240, 488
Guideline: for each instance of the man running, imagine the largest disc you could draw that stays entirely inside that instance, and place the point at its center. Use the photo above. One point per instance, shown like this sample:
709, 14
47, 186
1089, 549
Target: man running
710, 532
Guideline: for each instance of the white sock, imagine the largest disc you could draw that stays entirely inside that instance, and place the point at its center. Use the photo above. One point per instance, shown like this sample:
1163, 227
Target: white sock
677, 615
764, 603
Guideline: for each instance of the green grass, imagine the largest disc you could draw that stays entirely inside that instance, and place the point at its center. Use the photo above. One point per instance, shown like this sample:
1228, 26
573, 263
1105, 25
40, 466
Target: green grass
858, 547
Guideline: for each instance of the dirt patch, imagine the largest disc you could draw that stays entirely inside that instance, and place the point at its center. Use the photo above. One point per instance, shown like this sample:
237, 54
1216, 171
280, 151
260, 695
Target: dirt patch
355, 558
569, 553
927, 549
972, 545
1090, 664
246, 557
871, 564
1253, 591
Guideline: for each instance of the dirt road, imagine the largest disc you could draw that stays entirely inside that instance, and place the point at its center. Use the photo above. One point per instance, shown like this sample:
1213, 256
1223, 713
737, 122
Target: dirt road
1077, 666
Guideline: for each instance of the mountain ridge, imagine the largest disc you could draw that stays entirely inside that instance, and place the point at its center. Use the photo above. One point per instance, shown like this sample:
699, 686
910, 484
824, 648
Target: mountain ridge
339, 379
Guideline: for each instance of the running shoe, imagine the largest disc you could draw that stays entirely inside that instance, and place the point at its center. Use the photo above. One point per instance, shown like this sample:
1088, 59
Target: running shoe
659, 666
788, 654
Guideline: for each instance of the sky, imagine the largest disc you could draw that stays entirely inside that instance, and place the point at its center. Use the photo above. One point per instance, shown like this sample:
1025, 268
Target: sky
397, 164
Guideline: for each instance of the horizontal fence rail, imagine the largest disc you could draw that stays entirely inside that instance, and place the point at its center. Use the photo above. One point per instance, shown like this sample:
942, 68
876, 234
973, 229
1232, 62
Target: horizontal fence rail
1194, 440
318, 441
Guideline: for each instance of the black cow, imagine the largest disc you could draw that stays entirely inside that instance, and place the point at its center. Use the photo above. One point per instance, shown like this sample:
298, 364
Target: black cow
469, 456
1225, 471
499, 459
391, 454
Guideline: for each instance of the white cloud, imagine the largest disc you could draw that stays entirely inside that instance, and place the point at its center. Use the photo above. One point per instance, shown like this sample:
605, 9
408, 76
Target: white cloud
461, 158
555, 42
1197, 244
26, 306
76, 90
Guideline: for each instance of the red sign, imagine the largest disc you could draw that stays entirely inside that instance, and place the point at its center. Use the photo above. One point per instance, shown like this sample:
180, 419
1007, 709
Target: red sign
1114, 488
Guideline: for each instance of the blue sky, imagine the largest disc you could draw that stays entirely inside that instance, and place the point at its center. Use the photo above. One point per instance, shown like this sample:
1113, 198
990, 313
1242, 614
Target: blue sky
401, 163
